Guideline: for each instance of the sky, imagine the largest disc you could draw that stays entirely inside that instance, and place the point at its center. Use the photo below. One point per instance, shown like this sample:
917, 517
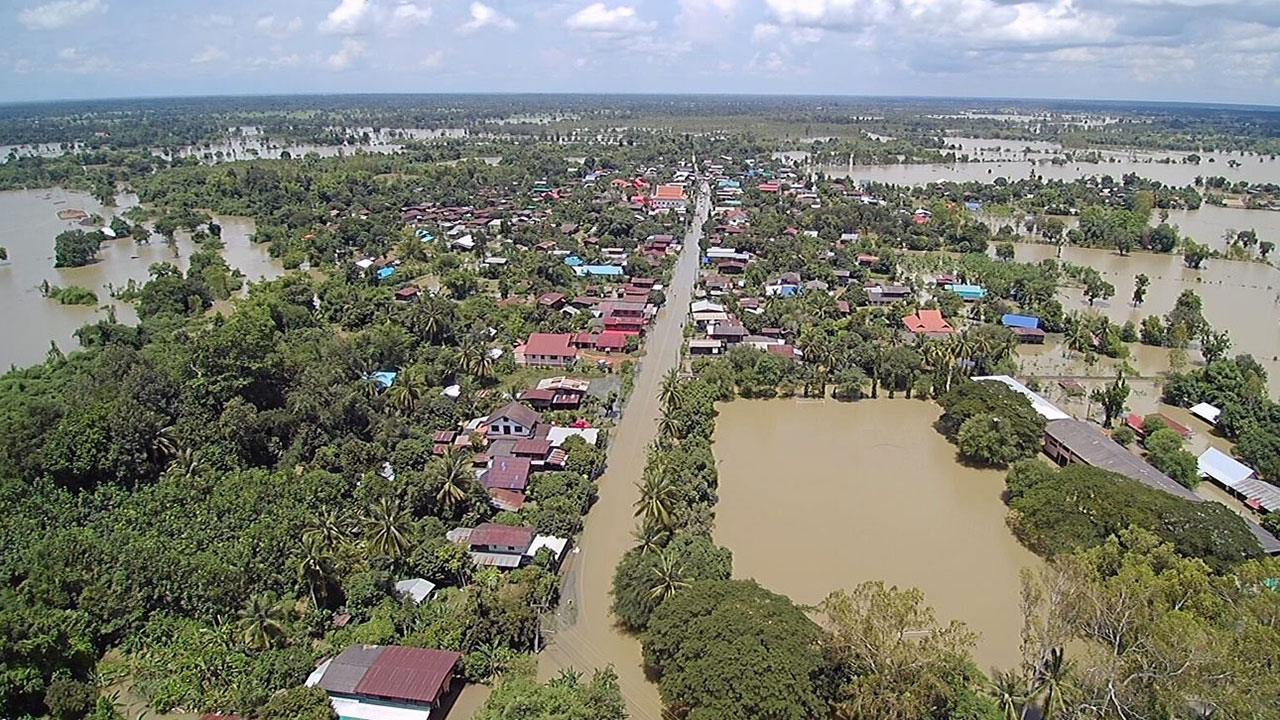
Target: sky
1176, 50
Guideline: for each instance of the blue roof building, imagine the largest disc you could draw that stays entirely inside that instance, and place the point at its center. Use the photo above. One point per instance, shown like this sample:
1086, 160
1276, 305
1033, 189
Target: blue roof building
598, 270
1021, 321
573, 261
969, 292
385, 378
385, 272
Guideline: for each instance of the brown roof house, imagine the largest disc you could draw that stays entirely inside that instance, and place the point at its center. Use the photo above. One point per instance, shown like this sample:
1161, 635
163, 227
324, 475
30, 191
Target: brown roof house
513, 420
547, 350
375, 681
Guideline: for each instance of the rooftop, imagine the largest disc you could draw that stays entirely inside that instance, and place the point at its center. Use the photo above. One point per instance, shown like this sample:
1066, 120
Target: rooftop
550, 345
491, 534
412, 675
1046, 409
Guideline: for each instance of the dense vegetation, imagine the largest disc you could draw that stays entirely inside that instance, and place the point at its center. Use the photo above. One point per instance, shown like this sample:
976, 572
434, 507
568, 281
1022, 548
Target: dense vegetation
1056, 511
991, 423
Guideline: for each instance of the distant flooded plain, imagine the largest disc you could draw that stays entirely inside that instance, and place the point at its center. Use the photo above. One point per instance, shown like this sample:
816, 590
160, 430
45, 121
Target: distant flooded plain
29, 321
819, 496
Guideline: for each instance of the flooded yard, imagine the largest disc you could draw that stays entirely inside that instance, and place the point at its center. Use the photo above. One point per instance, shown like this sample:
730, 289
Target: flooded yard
818, 496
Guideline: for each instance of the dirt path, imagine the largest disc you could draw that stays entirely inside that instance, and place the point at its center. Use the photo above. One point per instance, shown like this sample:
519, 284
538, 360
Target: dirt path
582, 635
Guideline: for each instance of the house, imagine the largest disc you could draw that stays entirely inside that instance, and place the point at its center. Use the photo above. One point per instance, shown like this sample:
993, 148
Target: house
508, 473
513, 420
1206, 412
547, 350
866, 259
416, 589
553, 300
372, 682
968, 293
406, 294
669, 197
509, 500
1011, 320
929, 323
612, 341
1031, 336
507, 546
1136, 421
706, 346
730, 332
1238, 479
598, 271
888, 294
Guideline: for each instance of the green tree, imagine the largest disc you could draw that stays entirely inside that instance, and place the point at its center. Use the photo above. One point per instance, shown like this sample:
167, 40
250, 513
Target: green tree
75, 248
657, 498
260, 624
387, 529
1112, 398
705, 640
298, 703
1004, 251
1140, 284
1214, 345
894, 660
668, 577
1194, 254
1165, 452
456, 478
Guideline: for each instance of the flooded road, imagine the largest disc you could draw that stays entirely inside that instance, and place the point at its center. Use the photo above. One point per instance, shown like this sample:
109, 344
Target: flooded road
29, 321
583, 634
818, 496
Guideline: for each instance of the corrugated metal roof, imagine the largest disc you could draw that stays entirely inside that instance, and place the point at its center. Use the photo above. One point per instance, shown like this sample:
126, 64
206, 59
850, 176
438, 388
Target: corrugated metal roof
410, 674
345, 671
502, 560
492, 534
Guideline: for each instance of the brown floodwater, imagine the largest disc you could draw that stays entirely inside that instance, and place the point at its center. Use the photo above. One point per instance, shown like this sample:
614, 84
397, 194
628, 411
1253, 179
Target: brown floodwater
29, 321
1242, 298
582, 634
820, 496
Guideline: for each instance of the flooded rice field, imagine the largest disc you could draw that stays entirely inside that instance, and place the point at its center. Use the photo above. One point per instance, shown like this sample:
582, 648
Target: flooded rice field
1242, 298
816, 496
30, 321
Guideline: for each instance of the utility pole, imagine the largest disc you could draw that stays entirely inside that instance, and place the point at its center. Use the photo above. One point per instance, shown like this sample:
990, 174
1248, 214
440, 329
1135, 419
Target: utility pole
540, 608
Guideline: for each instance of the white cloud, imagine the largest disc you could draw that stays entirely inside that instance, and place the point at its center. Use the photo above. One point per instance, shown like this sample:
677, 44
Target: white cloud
706, 19
275, 27
218, 20
346, 18
597, 18
483, 16
433, 60
351, 50
765, 32
210, 53
407, 16
73, 61
59, 13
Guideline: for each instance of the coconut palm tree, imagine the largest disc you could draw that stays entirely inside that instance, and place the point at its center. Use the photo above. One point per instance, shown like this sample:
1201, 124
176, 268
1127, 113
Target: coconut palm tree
650, 537
1052, 678
259, 623
315, 568
407, 392
456, 478
474, 358
328, 532
668, 578
670, 393
387, 529
657, 499
1007, 689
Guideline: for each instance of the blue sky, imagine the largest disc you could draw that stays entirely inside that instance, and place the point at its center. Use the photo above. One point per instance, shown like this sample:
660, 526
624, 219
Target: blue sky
1190, 50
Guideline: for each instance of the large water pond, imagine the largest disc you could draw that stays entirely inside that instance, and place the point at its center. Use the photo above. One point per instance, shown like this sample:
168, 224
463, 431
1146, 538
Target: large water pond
29, 321
816, 496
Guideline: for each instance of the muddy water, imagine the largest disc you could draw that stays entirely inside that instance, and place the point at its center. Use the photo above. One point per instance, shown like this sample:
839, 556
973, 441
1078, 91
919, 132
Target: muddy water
583, 634
1239, 297
820, 496
1013, 167
29, 321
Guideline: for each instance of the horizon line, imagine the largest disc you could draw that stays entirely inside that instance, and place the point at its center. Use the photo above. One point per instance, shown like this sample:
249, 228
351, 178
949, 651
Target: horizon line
624, 94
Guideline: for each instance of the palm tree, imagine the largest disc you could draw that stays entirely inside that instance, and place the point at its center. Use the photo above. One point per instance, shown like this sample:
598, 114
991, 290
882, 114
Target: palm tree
1006, 688
1052, 675
657, 499
259, 623
456, 477
328, 532
670, 393
668, 578
668, 428
370, 388
315, 567
650, 537
407, 392
475, 359
387, 529
434, 318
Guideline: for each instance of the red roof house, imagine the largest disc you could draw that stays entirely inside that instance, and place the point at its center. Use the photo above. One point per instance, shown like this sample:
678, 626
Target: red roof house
547, 350
612, 341
508, 473
413, 676
928, 322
